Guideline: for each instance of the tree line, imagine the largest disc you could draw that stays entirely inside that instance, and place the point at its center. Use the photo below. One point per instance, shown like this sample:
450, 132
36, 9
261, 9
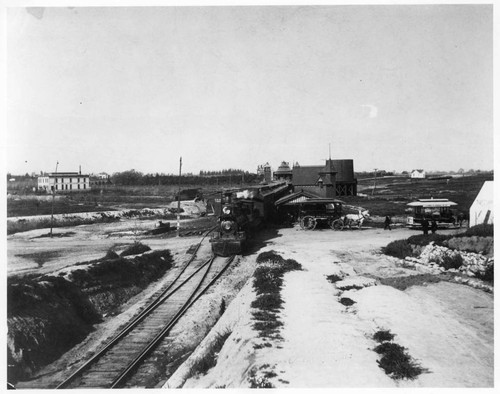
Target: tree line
137, 178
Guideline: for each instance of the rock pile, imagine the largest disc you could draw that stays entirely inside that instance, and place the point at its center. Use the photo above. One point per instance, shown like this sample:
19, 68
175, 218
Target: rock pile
436, 259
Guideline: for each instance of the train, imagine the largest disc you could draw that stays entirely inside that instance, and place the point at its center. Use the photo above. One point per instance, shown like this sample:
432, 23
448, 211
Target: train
243, 212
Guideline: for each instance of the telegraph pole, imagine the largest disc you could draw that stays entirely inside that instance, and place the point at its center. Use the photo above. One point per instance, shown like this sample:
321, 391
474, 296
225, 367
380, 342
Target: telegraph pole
53, 197
179, 200
374, 181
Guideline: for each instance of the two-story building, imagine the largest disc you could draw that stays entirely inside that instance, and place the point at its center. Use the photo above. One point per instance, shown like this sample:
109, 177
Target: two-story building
64, 181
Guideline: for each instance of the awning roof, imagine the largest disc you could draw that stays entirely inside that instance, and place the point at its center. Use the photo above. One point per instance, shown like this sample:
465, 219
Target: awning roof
315, 201
292, 197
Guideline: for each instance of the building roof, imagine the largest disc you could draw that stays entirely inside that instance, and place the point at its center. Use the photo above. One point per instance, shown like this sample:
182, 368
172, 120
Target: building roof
61, 174
283, 169
306, 175
432, 203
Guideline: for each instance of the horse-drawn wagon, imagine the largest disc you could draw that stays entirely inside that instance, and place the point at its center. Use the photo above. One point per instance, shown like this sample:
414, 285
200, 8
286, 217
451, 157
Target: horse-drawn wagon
320, 210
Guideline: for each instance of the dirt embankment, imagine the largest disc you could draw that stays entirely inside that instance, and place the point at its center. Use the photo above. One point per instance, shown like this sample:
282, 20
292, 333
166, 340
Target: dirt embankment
47, 315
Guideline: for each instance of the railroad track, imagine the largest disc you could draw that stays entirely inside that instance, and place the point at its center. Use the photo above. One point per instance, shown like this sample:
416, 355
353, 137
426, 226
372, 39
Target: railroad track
117, 361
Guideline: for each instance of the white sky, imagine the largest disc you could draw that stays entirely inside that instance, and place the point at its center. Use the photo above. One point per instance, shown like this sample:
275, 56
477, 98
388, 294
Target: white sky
392, 87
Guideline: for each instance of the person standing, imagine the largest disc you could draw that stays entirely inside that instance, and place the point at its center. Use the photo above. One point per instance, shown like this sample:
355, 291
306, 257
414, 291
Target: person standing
387, 223
434, 226
425, 226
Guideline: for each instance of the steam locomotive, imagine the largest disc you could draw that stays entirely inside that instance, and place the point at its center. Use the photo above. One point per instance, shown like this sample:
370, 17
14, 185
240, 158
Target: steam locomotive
230, 236
242, 214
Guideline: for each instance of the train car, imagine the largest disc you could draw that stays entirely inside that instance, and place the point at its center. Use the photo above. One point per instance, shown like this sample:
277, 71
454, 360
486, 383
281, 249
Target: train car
438, 209
243, 213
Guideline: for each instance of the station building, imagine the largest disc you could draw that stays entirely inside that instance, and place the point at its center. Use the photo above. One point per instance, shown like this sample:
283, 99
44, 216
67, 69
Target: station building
334, 179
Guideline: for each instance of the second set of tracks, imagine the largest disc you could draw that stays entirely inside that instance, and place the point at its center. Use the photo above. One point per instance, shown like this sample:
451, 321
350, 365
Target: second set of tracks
116, 362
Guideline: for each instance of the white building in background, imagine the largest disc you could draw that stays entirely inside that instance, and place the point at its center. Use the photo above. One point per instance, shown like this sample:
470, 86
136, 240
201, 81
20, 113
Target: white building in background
481, 210
417, 174
64, 181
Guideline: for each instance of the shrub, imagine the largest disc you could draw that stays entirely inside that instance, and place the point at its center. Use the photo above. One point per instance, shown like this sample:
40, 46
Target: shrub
135, 248
333, 278
454, 260
269, 256
267, 302
347, 301
488, 275
399, 248
383, 335
111, 255
291, 265
267, 279
423, 240
481, 230
396, 362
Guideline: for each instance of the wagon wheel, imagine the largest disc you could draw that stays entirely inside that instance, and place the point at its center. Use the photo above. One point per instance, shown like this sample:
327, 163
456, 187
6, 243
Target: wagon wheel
308, 223
337, 224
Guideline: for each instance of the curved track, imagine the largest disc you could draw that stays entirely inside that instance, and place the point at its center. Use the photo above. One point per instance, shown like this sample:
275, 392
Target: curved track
117, 361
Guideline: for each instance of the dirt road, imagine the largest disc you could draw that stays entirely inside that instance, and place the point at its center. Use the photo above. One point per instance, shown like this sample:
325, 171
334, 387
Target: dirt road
447, 328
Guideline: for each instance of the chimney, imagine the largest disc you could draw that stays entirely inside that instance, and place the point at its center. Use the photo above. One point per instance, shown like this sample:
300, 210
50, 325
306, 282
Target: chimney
80, 170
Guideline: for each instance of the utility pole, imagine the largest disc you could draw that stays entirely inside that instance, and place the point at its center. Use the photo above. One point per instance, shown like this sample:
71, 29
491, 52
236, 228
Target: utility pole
374, 181
179, 200
53, 197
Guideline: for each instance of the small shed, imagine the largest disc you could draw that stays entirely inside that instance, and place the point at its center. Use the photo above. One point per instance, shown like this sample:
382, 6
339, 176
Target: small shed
481, 210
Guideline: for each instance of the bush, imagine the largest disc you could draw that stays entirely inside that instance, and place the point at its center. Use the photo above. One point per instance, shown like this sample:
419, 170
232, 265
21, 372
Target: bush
269, 256
454, 260
488, 275
399, 248
333, 278
396, 362
481, 230
135, 248
267, 279
383, 335
423, 240
291, 265
268, 302
111, 255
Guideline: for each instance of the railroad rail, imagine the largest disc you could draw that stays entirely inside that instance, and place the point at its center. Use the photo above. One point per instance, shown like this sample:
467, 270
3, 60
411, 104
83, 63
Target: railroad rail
120, 357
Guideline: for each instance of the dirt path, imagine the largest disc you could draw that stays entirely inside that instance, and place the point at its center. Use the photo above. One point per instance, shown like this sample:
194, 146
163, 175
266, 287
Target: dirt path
446, 327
